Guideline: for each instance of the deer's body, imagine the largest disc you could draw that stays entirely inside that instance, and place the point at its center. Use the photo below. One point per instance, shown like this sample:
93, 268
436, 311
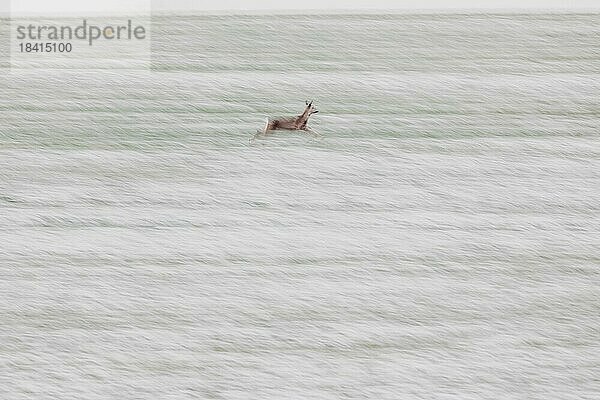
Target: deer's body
298, 123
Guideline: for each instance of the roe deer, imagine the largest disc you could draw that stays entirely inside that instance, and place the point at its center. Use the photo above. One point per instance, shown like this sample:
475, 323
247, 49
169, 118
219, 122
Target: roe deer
292, 123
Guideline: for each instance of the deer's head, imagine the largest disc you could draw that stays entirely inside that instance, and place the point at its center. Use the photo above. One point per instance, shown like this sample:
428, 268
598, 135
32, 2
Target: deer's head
310, 109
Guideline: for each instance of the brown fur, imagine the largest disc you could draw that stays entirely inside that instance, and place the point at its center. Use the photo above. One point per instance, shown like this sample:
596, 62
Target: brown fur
298, 123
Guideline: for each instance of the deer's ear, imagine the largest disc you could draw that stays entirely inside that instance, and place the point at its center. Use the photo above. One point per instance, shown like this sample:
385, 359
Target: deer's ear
306, 101
316, 111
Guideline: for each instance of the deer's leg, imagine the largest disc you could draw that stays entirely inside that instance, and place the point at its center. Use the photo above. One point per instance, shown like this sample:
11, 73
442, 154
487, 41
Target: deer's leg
269, 126
312, 133
259, 133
